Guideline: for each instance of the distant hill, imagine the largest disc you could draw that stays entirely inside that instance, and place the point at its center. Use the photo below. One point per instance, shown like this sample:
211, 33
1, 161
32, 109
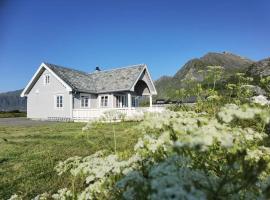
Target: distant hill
12, 101
230, 62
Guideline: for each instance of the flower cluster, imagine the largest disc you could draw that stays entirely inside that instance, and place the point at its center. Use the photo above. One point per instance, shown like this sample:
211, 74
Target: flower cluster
15, 197
261, 100
113, 116
62, 194
96, 168
226, 153
170, 179
232, 111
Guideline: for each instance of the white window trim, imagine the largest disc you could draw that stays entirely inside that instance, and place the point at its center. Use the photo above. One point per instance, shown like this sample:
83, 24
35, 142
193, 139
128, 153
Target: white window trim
124, 103
100, 101
85, 95
45, 79
55, 102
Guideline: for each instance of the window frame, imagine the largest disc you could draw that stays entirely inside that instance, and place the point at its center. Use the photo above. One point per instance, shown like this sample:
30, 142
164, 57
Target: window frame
47, 79
134, 101
83, 97
59, 105
103, 99
121, 101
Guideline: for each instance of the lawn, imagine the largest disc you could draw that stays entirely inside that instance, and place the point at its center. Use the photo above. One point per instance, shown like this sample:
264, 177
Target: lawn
28, 154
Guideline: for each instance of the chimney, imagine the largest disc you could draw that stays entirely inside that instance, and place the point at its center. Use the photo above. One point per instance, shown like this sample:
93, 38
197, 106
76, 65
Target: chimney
97, 69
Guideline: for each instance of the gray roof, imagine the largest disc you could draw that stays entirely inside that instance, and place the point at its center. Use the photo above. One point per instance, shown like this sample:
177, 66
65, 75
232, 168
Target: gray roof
121, 79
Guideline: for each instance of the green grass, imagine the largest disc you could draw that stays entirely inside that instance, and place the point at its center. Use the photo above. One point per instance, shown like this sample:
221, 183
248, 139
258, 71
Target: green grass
28, 155
12, 114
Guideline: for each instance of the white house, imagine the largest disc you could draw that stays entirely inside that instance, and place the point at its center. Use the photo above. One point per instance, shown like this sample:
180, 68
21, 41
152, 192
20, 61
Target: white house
60, 93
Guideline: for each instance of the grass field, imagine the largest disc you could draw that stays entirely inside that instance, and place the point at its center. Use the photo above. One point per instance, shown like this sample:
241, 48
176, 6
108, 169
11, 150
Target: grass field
28, 154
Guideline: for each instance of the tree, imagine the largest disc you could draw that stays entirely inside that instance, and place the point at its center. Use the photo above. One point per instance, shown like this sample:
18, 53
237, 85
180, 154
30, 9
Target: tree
214, 74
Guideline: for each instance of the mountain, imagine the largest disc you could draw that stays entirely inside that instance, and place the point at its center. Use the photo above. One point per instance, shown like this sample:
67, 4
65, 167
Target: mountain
230, 62
12, 101
260, 68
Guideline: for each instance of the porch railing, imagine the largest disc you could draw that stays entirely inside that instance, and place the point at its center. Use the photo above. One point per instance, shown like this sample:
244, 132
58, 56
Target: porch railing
91, 114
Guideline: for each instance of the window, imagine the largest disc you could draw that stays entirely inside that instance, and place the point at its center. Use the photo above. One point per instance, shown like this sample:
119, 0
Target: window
121, 101
104, 101
84, 101
134, 102
46, 79
59, 101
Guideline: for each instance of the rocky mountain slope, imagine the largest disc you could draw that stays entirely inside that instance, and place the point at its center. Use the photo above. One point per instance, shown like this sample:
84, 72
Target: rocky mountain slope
12, 101
230, 62
260, 68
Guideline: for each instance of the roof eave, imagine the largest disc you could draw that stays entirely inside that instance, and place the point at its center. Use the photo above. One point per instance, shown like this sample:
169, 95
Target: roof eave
103, 92
85, 91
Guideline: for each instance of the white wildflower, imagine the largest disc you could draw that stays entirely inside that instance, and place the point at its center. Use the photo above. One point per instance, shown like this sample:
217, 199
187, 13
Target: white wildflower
232, 111
15, 197
256, 154
68, 164
171, 179
262, 100
91, 190
62, 194
43, 196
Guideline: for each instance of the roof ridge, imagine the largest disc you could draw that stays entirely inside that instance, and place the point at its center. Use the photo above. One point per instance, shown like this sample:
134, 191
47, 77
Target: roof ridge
118, 68
107, 70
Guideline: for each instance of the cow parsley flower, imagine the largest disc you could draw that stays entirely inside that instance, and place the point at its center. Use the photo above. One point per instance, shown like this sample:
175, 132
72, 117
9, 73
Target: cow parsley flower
65, 166
15, 197
43, 196
172, 179
256, 154
260, 99
62, 194
232, 111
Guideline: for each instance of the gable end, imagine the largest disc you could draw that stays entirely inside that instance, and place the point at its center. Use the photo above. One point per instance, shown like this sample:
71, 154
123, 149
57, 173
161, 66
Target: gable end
36, 76
145, 75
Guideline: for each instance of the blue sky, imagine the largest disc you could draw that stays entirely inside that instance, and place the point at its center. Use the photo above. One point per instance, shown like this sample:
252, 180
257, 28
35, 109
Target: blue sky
163, 34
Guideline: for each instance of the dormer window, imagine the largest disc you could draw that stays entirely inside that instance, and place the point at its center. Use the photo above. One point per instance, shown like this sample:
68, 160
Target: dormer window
46, 79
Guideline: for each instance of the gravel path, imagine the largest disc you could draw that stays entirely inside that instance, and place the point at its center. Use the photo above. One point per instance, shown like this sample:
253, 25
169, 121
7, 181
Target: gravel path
22, 121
